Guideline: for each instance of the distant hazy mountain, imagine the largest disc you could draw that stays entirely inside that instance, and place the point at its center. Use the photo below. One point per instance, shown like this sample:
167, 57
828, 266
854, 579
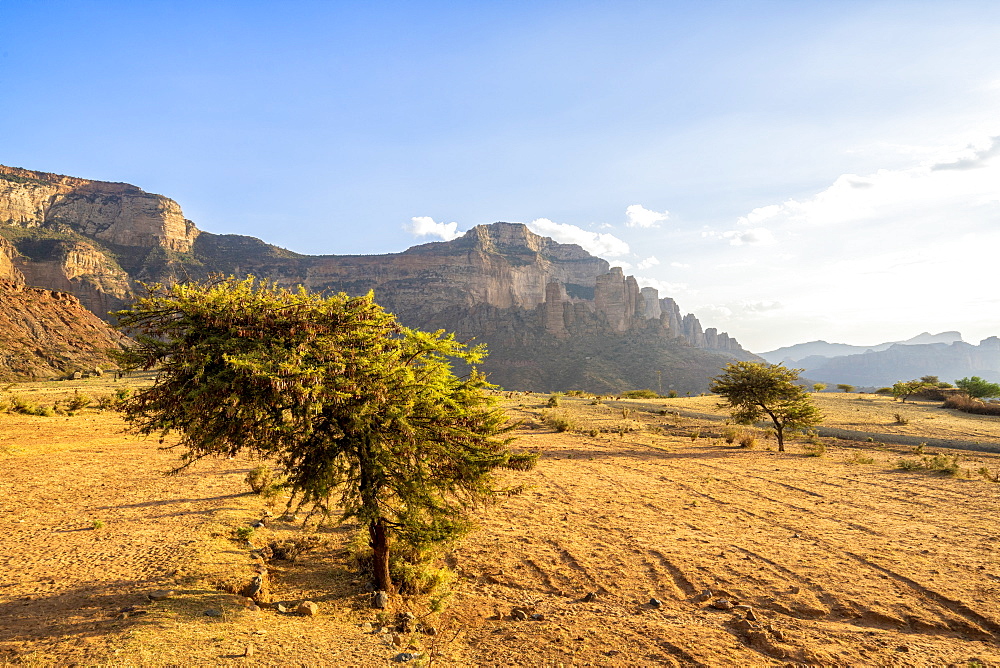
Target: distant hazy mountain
800, 353
908, 361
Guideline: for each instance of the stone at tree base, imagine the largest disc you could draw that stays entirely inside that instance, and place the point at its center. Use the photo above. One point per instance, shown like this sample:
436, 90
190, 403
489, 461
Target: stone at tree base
213, 612
307, 609
380, 600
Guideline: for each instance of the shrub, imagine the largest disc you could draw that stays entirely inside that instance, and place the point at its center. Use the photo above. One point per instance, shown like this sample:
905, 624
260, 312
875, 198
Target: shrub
695, 435
747, 440
819, 387
938, 463
672, 394
970, 405
261, 479
78, 401
559, 421
640, 394
900, 419
884, 390
244, 533
815, 449
730, 434
989, 475
553, 401
858, 458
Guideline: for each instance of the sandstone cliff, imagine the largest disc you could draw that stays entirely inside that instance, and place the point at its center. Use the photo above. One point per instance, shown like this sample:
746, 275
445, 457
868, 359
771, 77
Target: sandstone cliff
538, 304
116, 213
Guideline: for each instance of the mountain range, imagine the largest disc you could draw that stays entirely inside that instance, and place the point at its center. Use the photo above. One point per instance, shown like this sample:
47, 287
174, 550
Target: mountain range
553, 316
944, 355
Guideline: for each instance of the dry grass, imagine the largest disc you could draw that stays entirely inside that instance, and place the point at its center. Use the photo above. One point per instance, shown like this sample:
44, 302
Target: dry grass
845, 559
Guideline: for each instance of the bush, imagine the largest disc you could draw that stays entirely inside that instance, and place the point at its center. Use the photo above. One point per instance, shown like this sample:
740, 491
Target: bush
938, 463
967, 404
78, 401
640, 394
262, 481
553, 401
858, 458
672, 394
815, 449
747, 440
900, 419
730, 434
559, 422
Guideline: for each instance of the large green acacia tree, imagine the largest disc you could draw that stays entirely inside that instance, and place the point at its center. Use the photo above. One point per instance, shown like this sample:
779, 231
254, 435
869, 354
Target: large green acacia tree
361, 413
753, 391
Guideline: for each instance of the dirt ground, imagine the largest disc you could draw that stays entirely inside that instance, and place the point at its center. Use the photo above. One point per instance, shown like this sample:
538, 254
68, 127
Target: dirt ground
837, 555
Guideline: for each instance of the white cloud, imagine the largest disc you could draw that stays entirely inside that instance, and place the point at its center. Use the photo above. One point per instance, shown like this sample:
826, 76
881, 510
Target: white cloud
680, 265
424, 226
636, 215
664, 288
650, 261
751, 237
602, 245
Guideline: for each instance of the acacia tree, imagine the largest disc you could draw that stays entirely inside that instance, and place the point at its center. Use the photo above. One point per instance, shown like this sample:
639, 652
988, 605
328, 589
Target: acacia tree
978, 388
904, 389
360, 412
753, 391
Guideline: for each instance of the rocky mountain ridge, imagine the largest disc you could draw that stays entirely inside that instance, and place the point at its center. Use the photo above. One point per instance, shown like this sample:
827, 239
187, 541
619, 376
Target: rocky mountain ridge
500, 284
47, 333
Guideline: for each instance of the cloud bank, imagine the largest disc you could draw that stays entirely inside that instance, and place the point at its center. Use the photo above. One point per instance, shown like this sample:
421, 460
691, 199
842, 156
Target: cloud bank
602, 245
424, 226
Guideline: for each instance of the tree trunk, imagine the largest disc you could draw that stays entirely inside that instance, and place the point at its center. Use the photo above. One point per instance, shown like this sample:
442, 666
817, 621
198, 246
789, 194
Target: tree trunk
380, 557
779, 432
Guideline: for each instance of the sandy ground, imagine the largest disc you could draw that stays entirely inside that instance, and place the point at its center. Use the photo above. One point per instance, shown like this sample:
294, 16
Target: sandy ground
844, 559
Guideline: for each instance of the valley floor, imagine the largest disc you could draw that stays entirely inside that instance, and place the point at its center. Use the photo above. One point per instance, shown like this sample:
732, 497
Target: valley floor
843, 558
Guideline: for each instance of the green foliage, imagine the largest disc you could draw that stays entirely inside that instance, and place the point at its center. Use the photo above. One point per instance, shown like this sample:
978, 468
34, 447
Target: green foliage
640, 394
903, 390
819, 387
755, 391
78, 401
884, 390
977, 388
262, 481
844, 387
361, 414
672, 394
244, 533
18, 404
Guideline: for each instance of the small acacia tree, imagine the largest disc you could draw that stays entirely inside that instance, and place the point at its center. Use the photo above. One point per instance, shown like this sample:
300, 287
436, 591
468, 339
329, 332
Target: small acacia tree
904, 389
844, 387
361, 412
755, 390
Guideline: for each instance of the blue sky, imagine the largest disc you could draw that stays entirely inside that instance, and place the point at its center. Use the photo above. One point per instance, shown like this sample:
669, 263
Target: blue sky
788, 171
